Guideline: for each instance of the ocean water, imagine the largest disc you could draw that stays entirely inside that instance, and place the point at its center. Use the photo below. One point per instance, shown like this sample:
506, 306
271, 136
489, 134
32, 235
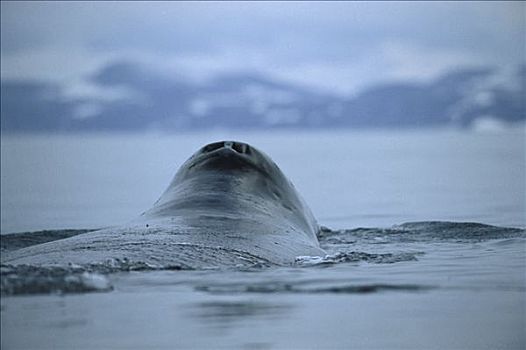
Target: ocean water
444, 280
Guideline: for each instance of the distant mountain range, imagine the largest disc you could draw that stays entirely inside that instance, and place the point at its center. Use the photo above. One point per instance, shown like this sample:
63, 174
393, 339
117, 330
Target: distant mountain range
125, 96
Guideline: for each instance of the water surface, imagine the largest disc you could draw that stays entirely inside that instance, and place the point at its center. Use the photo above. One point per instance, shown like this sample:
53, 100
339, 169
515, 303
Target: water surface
384, 285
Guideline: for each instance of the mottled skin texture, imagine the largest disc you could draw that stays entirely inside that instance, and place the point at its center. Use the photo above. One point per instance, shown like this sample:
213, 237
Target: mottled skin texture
228, 205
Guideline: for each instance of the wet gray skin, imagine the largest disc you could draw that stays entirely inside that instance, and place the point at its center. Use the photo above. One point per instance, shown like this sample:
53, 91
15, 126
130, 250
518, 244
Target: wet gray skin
228, 205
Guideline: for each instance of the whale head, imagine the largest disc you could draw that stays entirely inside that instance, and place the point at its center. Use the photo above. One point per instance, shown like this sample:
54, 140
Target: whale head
233, 177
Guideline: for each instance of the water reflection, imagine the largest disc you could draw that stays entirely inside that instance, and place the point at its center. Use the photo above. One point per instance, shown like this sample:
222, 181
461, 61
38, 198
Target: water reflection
225, 314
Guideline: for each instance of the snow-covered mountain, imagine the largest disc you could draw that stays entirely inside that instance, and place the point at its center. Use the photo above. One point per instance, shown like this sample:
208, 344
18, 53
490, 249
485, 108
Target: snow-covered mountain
125, 96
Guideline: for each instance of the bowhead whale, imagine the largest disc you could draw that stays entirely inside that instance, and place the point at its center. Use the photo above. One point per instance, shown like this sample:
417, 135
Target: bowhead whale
228, 205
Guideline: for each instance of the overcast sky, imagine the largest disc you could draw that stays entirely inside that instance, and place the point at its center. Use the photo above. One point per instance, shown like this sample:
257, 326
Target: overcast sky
342, 46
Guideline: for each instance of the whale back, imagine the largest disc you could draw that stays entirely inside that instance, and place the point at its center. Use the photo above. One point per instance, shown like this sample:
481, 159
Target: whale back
228, 205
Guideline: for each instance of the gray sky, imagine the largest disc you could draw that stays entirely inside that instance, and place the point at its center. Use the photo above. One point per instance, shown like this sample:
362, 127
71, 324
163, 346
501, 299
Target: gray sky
342, 46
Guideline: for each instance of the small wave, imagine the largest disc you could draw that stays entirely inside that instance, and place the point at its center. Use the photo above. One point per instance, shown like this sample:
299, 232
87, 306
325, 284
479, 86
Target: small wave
386, 258
371, 288
28, 279
460, 230
38, 280
314, 287
13, 241
419, 232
